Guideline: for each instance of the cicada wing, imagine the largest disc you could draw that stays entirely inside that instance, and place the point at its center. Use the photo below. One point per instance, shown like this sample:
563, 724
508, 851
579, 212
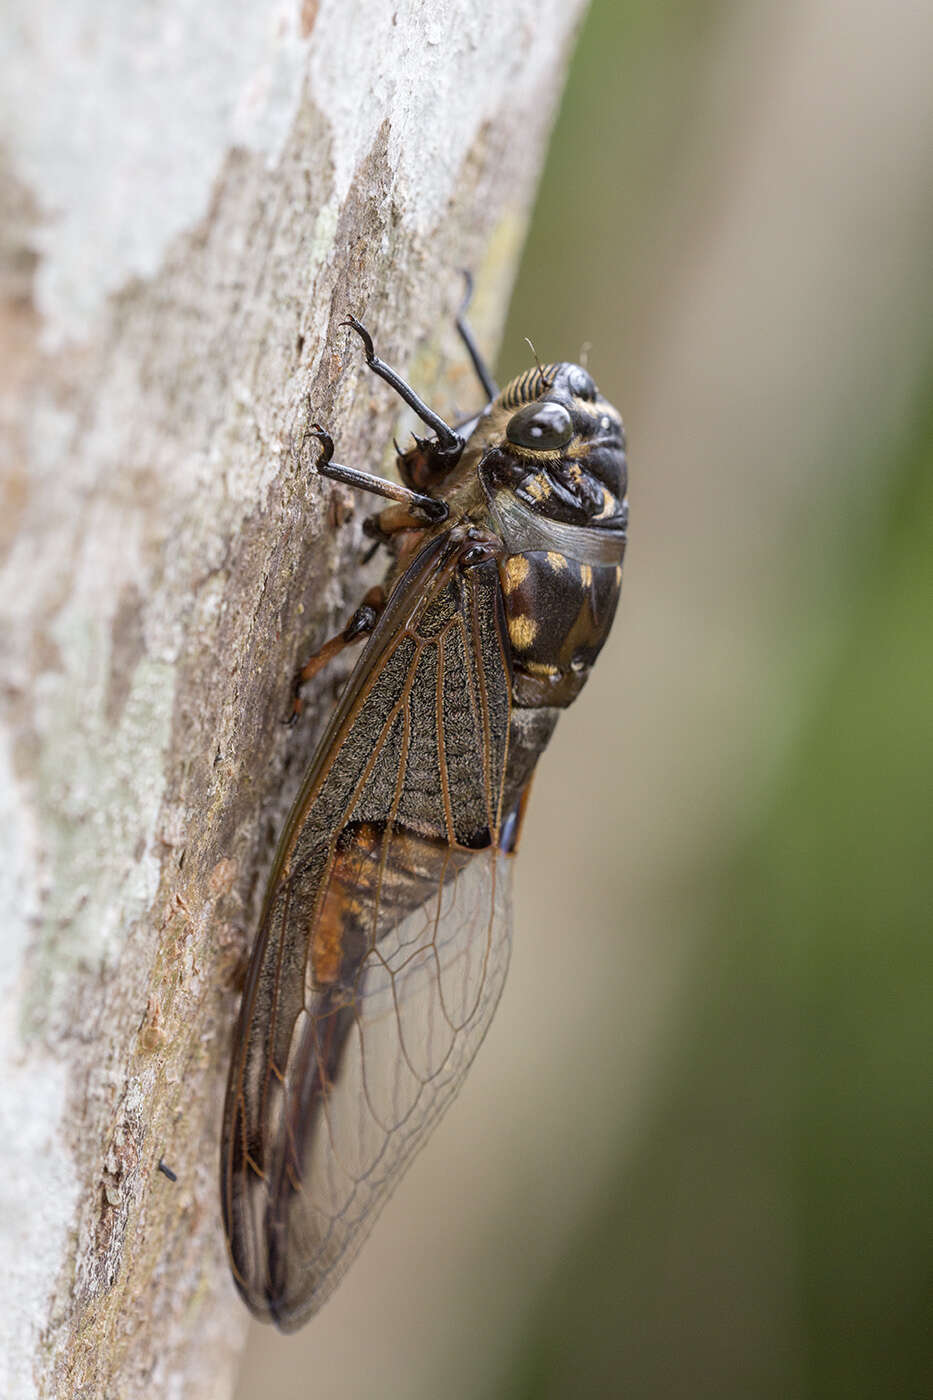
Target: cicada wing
384, 942
405, 1044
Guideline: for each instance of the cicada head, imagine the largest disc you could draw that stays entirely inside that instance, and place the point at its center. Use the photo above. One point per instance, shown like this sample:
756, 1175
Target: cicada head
554, 444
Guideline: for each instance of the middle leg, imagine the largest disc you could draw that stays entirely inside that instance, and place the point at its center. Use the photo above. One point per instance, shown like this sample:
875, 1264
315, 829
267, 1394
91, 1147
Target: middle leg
360, 625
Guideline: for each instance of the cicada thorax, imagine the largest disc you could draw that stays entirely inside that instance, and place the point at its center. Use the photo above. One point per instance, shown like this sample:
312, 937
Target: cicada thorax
554, 473
559, 613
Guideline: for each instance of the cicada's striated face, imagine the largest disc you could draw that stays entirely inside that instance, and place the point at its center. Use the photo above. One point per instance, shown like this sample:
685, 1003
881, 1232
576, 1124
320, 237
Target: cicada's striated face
552, 464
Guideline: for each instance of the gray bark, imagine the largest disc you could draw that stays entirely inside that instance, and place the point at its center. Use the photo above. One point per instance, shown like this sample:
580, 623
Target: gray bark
194, 199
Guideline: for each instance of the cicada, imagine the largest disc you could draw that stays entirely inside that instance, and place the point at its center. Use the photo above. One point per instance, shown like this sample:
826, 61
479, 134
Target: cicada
385, 933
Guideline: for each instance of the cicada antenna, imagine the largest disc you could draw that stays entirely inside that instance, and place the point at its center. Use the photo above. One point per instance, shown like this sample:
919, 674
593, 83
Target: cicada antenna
545, 379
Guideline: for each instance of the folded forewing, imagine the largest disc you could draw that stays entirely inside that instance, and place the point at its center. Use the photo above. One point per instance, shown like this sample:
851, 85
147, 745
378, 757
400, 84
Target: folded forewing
384, 940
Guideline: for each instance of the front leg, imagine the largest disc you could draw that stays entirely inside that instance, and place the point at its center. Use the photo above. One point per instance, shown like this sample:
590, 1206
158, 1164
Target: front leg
490, 387
447, 445
418, 507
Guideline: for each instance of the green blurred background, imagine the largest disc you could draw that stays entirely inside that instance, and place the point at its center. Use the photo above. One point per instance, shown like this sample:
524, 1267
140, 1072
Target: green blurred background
695, 1155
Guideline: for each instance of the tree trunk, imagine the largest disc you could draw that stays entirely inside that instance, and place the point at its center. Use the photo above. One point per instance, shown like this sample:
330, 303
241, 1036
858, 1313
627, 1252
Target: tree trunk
195, 198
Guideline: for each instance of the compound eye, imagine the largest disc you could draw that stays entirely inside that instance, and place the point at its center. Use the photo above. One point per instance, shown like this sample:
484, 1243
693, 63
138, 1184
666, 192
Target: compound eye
542, 426
580, 383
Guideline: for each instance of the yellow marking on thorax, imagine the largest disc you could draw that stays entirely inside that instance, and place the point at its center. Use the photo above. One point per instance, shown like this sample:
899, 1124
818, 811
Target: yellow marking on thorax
586, 575
516, 571
556, 561
609, 505
538, 488
522, 631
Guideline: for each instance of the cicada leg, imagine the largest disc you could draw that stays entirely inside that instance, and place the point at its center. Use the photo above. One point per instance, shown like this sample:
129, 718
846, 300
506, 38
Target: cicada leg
360, 625
447, 447
419, 509
423, 466
512, 826
382, 526
490, 387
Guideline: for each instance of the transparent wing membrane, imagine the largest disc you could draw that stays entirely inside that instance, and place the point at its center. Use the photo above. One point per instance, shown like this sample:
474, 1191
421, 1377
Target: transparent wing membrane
409, 1038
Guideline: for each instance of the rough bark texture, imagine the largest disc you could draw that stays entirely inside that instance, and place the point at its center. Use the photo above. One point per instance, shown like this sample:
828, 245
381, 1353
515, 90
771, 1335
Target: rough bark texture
193, 200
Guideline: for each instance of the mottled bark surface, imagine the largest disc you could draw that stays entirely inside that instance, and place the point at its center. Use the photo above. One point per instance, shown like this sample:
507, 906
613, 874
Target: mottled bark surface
192, 202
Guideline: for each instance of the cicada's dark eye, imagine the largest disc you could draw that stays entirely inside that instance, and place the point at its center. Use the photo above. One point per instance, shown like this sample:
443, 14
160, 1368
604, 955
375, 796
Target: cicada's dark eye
540, 425
581, 383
